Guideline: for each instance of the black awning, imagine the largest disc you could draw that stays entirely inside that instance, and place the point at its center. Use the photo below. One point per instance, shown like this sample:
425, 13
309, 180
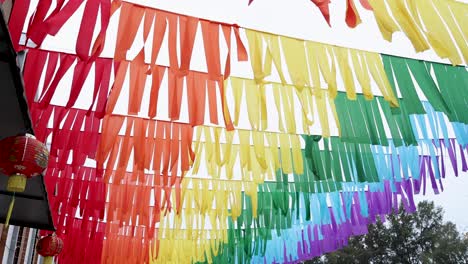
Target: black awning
32, 206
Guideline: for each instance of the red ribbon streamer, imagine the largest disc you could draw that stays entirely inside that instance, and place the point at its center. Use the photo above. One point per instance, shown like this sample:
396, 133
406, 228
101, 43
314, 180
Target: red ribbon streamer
352, 15
323, 6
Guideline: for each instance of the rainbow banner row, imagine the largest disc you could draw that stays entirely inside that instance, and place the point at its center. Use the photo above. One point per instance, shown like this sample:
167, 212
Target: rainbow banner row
163, 164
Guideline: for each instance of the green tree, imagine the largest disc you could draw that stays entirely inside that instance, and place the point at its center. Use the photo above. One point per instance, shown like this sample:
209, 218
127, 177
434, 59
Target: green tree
421, 237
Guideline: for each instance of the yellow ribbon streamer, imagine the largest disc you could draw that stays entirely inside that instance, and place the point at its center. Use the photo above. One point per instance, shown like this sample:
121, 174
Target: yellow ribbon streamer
277, 96
386, 23
436, 24
296, 60
346, 73
288, 103
362, 73
408, 24
256, 54
376, 68
439, 35
451, 21
273, 55
323, 113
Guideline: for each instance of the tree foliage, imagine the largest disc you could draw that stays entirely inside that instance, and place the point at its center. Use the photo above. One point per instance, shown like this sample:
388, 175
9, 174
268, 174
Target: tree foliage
421, 237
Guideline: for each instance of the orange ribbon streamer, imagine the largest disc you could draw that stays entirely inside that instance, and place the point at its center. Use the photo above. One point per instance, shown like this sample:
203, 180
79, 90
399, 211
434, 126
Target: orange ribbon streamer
175, 139
352, 15
130, 19
324, 9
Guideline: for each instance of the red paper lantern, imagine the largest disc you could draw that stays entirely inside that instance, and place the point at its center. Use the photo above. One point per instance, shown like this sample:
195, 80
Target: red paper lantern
21, 157
49, 247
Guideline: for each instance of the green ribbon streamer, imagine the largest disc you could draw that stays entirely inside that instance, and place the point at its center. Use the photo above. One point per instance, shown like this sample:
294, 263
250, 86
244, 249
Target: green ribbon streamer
446, 89
361, 121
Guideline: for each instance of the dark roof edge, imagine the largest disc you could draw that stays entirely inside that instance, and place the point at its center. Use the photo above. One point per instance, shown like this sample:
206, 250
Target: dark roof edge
19, 86
17, 78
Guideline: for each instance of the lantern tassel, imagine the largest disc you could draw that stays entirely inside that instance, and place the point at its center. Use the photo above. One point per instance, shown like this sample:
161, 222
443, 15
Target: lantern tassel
48, 260
10, 210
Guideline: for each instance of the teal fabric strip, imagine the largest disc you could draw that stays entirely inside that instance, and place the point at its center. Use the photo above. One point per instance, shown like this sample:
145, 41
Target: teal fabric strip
420, 71
453, 84
399, 67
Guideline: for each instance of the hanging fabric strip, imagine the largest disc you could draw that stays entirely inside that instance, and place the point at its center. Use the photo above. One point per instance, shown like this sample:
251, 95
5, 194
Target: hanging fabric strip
376, 67
437, 33
159, 28
426, 25
352, 15
196, 88
407, 24
107, 10
241, 50
80, 74
423, 77
102, 77
39, 17
86, 31
385, 21
446, 77
296, 60
33, 69
327, 68
227, 36
399, 69
157, 74
345, 71
16, 22
362, 75
261, 67
210, 32
137, 84
39, 29
323, 6
451, 21
65, 63
130, 19
188, 29
365, 4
